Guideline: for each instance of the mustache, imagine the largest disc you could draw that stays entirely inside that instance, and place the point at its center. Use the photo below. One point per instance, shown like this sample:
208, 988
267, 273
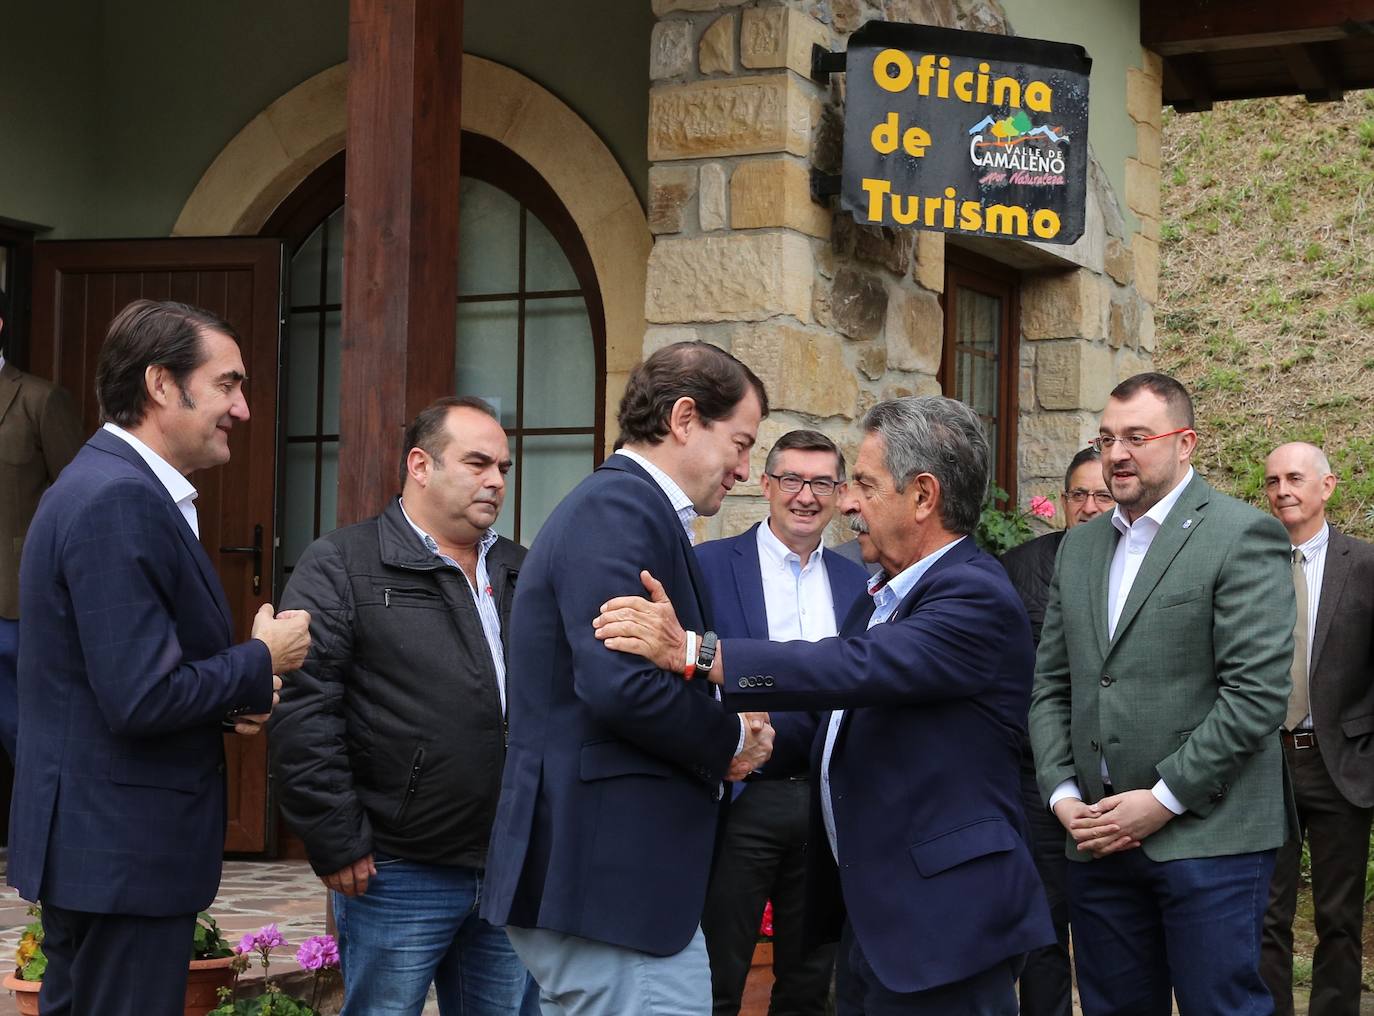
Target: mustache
857, 523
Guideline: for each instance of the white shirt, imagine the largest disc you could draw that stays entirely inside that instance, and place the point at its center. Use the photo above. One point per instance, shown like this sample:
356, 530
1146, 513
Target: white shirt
796, 594
1131, 549
887, 594
178, 487
686, 515
1313, 569
481, 596
682, 504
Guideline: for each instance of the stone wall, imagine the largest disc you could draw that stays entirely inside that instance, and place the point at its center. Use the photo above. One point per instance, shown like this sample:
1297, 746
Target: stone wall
835, 316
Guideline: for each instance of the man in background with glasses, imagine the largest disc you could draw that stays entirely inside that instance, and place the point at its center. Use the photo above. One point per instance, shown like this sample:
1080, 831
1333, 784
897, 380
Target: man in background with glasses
1161, 681
775, 581
1045, 986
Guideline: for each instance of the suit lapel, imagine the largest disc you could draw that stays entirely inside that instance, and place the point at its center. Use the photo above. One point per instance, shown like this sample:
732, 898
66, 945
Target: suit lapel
1334, 574
1182, 522
748, 573
1099, 568
9, 388
108, 442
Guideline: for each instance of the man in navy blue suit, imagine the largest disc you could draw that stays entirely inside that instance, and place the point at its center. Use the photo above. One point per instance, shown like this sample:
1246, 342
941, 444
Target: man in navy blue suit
776, 581
928, 878
613, 779
127, 674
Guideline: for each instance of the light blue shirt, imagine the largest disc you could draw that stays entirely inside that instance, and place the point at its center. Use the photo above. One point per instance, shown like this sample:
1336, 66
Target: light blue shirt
797, 600
682, 504
887, 594
482, 596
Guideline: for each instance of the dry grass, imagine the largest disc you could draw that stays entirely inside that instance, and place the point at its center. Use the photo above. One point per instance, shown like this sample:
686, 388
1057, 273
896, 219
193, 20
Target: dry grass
1267, 287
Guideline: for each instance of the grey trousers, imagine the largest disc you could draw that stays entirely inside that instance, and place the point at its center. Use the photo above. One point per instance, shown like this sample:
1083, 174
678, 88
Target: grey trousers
579, 977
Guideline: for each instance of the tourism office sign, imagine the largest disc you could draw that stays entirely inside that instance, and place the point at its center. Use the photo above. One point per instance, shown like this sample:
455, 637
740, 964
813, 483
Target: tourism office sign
965, 132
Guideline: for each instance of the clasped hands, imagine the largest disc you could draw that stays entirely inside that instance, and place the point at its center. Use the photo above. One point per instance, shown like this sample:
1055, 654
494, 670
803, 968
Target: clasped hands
1116, 823
287, 637
650, 628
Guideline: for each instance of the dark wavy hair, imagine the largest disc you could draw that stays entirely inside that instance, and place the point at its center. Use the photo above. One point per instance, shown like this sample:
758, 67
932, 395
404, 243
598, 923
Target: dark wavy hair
147, 333
707, 374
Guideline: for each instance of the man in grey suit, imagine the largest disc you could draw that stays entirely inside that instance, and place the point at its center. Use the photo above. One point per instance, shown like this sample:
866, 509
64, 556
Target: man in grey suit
1161, 681
1328, 736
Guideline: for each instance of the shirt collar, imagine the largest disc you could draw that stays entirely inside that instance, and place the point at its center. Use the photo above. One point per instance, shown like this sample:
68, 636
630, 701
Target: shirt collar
1159, 511
682, 504
888, 592
1317, 542
432, 545
178, 487
778, 552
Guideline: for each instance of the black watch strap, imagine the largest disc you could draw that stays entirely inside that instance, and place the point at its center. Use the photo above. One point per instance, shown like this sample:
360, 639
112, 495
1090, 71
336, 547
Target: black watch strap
706, 655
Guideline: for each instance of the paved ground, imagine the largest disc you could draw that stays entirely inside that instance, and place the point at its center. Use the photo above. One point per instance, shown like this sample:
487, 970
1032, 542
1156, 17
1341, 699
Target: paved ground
254, 893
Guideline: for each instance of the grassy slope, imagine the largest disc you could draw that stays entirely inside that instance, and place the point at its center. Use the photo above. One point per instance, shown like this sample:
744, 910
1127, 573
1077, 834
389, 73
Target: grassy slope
1267, 287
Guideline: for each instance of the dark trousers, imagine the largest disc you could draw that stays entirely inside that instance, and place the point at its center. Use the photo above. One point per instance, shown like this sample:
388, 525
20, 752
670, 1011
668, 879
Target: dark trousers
1143, 930
114, 964
763, 856
1046, 981
1337, 835
9, 685
858, 992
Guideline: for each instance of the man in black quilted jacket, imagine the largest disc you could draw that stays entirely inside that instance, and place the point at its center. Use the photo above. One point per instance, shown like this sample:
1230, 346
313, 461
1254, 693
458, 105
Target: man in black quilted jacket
389, 742
1045, 982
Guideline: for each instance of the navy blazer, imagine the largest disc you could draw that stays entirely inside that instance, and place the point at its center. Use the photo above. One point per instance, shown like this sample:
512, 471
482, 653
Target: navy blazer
611, 788
734, 592
734, 584
934, 869
126, 670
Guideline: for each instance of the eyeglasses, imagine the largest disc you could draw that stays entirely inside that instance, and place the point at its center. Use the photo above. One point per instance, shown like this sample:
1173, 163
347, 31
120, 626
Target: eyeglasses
1132, 441
790, 483
1078, 495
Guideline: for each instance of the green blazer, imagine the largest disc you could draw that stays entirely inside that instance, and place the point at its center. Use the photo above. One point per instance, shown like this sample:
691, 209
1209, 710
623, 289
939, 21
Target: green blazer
1194, 686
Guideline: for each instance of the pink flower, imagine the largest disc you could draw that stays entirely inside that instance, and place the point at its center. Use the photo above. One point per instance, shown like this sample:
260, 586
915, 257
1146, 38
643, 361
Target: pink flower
268, 937
318, 952
766, 925
246, 944
1042, 507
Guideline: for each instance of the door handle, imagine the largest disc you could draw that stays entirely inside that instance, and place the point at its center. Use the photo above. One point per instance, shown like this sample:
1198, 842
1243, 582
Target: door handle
256, 551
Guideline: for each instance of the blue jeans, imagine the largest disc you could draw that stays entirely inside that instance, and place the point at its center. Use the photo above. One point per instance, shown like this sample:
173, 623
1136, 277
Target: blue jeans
1144, 928
416, 924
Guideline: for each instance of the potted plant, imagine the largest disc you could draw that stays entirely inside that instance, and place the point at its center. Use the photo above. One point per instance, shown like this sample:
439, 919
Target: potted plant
318, 954
211, 966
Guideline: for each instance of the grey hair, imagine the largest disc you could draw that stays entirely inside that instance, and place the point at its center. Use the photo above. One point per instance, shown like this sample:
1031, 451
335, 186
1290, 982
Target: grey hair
940, 436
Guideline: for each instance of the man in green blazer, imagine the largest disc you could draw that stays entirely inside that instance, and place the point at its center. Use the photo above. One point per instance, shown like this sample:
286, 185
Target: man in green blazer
1161, 681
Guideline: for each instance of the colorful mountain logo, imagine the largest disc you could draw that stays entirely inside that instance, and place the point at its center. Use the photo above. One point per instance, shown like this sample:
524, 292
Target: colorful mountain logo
1017, 129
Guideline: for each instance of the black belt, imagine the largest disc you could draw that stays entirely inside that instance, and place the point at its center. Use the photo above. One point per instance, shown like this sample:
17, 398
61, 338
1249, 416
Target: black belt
1299, 739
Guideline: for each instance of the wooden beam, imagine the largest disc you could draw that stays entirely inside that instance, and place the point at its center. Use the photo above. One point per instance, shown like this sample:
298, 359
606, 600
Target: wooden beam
400, 234
1174, 27
1186, 86
1314, 70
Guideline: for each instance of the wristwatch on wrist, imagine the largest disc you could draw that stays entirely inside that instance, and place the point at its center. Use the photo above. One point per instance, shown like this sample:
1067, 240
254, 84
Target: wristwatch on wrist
706, 655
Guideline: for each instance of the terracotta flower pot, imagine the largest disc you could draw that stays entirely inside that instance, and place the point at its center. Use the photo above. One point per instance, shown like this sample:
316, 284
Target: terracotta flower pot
203, 982
25, 994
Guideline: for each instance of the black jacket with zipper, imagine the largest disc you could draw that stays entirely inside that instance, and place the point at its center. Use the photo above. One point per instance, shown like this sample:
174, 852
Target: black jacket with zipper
391, 736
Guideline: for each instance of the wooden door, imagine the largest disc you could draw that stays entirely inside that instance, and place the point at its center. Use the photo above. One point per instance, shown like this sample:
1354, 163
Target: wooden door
78, 288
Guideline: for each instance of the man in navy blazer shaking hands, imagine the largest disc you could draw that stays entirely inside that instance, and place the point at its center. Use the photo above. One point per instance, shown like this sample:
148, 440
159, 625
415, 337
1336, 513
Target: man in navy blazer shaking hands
924, 871
613, 778
127, 674
776, 581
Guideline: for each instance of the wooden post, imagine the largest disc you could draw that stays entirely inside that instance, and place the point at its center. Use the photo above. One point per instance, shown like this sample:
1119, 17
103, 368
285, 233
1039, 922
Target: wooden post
400, 234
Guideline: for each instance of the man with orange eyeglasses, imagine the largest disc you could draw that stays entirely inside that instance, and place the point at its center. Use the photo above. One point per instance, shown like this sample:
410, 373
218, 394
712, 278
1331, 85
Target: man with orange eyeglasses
1046, 982
1160, 683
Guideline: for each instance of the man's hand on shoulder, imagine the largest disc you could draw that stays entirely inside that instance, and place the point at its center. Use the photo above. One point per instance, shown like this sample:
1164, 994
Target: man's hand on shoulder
352, 879
644, 627
758, 746
286, 635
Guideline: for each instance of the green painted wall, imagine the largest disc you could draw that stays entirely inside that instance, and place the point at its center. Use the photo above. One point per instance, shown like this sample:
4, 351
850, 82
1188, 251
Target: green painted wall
113, 109
1110, 31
